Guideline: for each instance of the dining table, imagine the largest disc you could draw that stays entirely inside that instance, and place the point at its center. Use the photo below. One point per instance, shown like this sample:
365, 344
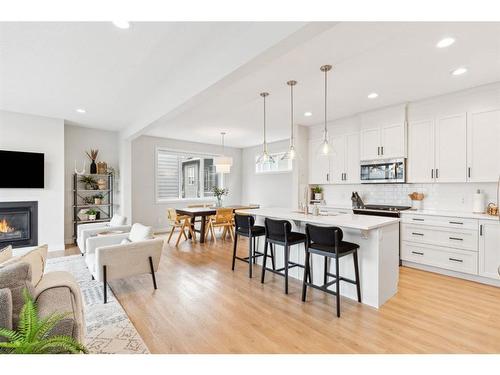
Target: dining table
204, 212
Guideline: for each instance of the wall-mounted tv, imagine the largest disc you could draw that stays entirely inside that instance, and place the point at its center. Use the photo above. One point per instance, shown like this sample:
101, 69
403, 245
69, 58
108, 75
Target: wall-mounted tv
23, 170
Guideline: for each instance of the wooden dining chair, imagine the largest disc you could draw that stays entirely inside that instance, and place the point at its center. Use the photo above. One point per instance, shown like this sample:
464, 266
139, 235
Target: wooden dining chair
182, 223
224, 219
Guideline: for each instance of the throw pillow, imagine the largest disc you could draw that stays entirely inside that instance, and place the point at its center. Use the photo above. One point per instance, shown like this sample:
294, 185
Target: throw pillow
16, 277
140, 232
5, 254
36, 259
125, 241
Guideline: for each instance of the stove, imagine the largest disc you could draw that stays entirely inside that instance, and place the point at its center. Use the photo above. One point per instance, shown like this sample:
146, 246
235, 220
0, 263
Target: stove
380, 210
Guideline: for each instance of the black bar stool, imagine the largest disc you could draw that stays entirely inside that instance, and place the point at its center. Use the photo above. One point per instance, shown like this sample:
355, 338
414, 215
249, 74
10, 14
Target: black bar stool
327, 241
279, 232
245, 226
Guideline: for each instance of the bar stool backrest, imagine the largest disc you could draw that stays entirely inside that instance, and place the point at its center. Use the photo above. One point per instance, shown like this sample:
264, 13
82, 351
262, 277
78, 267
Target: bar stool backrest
326, 236
277, 229
244, 222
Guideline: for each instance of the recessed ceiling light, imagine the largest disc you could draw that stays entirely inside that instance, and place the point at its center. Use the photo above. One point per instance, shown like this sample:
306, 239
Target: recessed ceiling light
459, 71
446, 42
308, 114
81, 110
373, 95
122, 24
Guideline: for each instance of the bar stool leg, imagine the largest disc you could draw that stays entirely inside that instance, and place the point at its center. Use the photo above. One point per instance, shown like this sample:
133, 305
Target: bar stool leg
272, 256
306, 276
264, 264
325, 276
234, 249
254, 247
356, 273
287, 256
250, 256
337, 285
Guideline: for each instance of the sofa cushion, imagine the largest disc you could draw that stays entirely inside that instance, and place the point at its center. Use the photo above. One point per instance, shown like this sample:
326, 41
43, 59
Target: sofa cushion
5, 254
16, 277
59, 300
36, 258
140, 232
5, 309
117, 220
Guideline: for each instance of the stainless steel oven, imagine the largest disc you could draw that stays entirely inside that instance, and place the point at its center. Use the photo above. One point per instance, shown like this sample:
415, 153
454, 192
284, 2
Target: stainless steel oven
383, 171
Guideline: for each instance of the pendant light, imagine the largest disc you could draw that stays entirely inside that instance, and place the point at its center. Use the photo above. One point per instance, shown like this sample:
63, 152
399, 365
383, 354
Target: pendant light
223, 163
325, 148
291, 154
264, 156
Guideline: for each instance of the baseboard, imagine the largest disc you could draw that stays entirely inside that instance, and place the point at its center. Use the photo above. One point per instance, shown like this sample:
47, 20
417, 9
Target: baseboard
460, 275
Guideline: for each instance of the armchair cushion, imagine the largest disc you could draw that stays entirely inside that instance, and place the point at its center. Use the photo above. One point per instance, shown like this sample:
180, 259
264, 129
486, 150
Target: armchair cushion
98, 241
16, 276
88, 232
117, 220
5, 309
140, 232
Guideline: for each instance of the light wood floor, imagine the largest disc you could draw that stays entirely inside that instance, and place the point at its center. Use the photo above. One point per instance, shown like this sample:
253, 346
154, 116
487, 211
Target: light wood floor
201, 306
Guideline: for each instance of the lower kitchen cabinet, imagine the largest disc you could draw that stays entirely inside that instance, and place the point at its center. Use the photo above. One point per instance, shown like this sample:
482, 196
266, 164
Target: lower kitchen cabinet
489, 248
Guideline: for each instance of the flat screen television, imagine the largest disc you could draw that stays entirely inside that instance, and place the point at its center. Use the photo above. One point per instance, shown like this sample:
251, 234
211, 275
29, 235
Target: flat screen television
23, 170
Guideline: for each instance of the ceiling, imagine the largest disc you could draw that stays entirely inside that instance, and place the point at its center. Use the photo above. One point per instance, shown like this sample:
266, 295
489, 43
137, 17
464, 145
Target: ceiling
122, 78
203, 78
399, 61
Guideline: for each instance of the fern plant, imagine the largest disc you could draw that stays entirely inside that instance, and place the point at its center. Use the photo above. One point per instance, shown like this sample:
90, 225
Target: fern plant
33, 334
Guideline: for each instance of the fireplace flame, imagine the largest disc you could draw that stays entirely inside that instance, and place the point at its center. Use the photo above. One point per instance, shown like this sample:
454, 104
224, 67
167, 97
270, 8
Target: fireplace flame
5, 227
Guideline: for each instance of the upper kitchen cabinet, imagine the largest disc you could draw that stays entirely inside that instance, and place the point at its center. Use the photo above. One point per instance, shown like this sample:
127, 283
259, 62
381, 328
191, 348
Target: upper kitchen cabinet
450, 146
386, 141
344, 161
319, 165
483, 146
421, 151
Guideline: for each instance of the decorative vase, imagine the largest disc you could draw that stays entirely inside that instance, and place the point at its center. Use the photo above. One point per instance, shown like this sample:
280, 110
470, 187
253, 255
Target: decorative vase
82, 215
93, 167
92, 217
101, 183
318, 196
102, 167
89, 187
219, 202
97, 201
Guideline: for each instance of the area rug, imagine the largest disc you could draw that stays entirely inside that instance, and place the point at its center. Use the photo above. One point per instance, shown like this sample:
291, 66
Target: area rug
109, 330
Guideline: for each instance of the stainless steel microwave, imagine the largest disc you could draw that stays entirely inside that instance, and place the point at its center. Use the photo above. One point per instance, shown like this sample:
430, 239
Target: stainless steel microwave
388, 171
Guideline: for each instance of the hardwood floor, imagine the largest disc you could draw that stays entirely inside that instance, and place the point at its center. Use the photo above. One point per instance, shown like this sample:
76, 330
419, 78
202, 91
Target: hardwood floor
201, 306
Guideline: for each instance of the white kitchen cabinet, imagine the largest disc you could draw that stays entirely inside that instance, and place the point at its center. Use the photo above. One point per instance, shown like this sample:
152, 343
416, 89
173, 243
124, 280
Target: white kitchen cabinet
338, 159
344, 161
383, 142
319, 165
352, 167
451, 146
421, 151
489, 248
483, 146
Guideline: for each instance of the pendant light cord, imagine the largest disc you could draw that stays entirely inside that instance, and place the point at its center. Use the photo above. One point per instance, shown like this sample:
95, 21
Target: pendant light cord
291, 117
326, 95
265, 143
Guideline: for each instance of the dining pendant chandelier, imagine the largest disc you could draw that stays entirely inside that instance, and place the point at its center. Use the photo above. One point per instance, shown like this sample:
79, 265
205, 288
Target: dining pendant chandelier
264, 157
223, 163
291, 154
325, 148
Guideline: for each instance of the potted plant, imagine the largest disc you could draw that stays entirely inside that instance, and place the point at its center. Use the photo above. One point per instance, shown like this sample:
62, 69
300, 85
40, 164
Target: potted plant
98, 198
88, 200
33, 335
92, 154
92, 214
318, 193
90, 182
219, 193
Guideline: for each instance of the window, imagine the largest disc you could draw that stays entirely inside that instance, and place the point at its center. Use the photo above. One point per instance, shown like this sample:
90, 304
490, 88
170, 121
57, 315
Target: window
279, 166
184, 176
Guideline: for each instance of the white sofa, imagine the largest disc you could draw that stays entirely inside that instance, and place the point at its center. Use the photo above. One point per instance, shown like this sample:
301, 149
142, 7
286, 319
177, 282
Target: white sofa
85, 231
118, 256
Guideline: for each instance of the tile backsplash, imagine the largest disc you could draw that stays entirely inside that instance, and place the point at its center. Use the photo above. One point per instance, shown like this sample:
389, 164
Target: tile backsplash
451, 197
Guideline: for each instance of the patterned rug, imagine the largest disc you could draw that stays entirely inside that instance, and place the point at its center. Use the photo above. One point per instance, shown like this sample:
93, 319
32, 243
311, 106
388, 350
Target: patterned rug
109, 330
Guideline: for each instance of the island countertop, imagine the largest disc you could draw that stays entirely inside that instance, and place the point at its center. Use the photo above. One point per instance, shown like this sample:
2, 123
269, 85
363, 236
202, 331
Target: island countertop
351, 221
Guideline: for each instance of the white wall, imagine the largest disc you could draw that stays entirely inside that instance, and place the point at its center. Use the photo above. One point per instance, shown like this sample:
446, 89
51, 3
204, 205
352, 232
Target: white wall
21, 132
457, 196
268, 189
77, 140
145, 209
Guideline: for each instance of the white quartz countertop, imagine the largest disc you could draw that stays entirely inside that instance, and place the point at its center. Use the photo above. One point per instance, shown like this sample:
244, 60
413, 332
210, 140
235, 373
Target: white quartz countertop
361, 222
461, 214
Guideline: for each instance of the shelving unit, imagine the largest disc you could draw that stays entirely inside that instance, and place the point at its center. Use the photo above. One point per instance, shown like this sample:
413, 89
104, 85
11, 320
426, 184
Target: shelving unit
105, 209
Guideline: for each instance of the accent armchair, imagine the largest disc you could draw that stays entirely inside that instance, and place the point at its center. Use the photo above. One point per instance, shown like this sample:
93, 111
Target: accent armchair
86, 231
119, 256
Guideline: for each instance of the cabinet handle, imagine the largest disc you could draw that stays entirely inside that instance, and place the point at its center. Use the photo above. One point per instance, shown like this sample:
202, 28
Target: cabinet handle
417, 234
415, 219
456, 260
456, 238
437, 173
345, 176
382, 150
481, 229
417, 252
432, 173
456, 222
378, 150
328, 176
468, 171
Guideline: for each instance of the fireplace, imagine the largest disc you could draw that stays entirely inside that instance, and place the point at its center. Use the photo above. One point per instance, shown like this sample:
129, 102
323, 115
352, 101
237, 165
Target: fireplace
18, 224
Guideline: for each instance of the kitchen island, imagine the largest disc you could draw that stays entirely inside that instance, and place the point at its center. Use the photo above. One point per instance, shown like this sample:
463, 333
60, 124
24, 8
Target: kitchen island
378, 240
